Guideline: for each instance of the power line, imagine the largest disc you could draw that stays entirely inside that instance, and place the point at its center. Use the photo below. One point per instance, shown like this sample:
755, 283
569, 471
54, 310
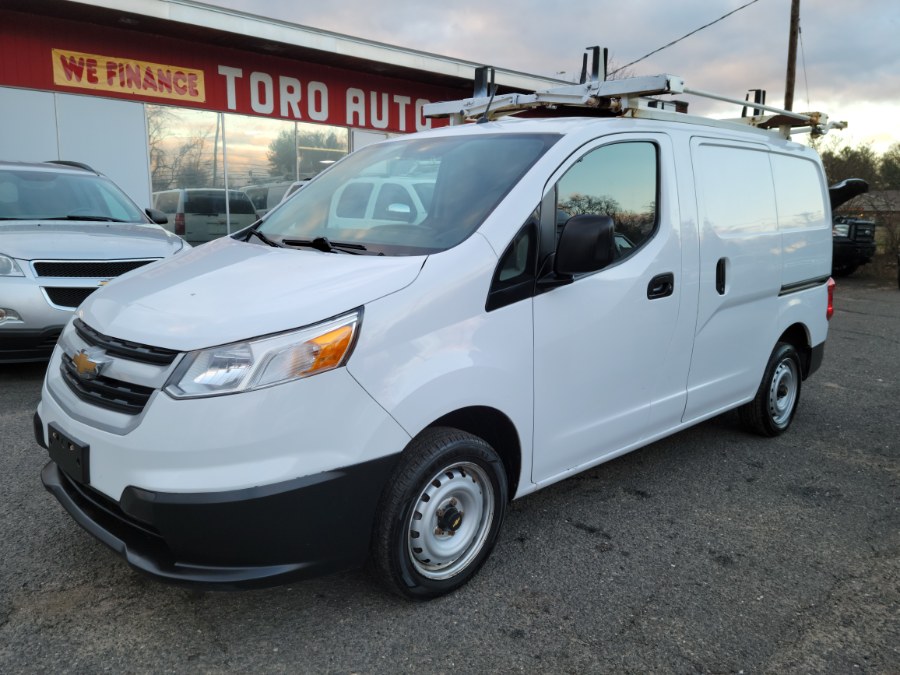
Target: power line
724, 16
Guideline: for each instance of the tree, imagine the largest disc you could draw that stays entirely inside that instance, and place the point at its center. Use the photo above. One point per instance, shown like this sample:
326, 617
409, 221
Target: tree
578, 204
844, 161
311, 147
889, 168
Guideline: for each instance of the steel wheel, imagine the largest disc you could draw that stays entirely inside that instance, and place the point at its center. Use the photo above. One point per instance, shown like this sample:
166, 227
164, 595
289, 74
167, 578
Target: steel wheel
772, 409
783, 392
439, 514
450, 521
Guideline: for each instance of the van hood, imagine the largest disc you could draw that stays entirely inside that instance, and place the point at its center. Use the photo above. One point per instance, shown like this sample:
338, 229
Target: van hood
76, 240
227, 291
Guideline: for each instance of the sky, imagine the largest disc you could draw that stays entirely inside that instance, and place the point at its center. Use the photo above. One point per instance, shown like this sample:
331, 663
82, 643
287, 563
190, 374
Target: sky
848, 63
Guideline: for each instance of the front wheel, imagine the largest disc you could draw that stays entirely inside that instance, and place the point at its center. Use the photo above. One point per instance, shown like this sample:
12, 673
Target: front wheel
772, 410
439, 517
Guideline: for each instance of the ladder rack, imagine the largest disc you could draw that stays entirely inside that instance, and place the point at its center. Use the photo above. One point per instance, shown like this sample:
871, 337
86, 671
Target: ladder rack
634, 97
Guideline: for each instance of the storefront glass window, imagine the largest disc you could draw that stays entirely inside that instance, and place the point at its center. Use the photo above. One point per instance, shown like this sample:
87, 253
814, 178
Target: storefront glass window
257, 157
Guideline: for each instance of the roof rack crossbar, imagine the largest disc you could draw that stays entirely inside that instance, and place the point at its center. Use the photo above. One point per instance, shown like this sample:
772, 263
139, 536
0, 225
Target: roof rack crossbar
620, 97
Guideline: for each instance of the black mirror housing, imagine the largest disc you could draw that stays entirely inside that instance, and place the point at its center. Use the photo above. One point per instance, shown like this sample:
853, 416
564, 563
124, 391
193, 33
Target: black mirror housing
157, 216
586, 244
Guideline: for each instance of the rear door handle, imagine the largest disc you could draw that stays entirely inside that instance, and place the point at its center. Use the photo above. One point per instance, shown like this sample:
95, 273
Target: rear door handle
661, 286
720, 276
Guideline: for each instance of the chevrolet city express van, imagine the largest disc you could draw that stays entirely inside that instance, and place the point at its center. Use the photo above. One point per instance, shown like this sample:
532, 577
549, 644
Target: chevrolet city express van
315, 390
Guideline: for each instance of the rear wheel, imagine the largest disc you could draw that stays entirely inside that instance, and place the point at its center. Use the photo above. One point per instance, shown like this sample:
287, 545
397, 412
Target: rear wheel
772, 410
439, 517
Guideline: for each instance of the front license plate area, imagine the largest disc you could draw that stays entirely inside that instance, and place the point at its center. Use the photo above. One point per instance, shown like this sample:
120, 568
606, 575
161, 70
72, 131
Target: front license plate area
70, 455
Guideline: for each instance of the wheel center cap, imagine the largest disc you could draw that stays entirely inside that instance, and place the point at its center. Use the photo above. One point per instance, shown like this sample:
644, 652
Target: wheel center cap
451, 520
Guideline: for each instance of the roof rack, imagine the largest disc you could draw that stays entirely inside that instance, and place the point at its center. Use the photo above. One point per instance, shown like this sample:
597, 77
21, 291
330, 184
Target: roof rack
629, 97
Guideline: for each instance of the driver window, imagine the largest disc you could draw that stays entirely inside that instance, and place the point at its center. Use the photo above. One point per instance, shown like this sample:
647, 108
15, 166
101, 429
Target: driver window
617, 180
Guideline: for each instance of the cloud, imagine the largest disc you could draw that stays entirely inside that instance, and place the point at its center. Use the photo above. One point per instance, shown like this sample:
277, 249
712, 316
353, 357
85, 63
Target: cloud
849, 50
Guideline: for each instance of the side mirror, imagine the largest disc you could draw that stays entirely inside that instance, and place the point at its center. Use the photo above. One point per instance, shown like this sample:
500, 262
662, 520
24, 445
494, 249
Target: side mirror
401, 211
157, 216
586, 244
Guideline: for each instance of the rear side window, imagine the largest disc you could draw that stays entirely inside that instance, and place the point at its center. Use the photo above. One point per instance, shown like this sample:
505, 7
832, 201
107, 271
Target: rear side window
736, 192
620, 181
207, 203
799, 193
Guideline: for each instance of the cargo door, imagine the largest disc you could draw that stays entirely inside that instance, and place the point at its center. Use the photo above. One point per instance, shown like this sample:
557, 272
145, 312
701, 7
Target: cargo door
740, 274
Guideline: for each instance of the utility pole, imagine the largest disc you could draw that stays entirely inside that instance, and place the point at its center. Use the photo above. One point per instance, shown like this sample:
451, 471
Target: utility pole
792, 56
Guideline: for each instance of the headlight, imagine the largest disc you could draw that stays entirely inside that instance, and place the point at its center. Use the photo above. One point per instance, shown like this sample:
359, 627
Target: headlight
265, 362
8, 267
840, 230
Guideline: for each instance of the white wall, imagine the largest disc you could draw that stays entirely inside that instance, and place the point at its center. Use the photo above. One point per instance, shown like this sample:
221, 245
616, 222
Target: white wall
360, 138
109, 135
28, 132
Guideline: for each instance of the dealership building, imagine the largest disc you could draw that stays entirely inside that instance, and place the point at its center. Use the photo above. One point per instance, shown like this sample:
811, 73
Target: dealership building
165, 94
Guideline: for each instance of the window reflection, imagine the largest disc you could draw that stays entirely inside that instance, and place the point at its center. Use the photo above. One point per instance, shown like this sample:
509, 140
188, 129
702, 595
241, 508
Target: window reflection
259, 157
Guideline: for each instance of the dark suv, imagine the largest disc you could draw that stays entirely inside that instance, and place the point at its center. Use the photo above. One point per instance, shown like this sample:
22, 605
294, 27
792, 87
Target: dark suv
854, 244
854, 238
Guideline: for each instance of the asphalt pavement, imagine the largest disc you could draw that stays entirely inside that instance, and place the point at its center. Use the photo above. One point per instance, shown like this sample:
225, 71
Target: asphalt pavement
710, 551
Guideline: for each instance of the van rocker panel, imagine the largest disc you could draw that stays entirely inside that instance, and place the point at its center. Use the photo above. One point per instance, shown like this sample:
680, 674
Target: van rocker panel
247, 538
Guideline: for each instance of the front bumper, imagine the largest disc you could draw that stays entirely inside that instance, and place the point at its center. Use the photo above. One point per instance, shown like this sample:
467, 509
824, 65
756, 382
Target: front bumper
247, 538
23, 346
852, 253
32, 337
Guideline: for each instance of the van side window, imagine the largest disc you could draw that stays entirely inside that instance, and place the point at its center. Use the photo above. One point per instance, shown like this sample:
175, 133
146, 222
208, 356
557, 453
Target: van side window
514, 277
735, 194
618, 180
799, 193
394, 203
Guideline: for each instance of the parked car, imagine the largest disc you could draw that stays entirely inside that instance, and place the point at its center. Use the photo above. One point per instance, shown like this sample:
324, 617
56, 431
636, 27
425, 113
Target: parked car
65, 230
375, 372
200, 215
266, 197
853, 238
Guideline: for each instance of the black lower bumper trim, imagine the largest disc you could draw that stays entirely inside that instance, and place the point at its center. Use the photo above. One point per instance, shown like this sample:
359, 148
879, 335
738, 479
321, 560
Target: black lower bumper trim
26, 346
238, 539
817, 355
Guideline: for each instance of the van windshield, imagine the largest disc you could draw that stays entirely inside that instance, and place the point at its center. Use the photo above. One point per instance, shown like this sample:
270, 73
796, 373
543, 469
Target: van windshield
408, 197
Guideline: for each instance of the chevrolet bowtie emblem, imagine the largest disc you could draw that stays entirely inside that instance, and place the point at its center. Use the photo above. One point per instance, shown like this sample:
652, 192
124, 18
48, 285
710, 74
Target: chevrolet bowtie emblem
87, 365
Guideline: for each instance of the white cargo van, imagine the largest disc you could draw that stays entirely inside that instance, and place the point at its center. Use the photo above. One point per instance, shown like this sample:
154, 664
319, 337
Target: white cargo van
317, 390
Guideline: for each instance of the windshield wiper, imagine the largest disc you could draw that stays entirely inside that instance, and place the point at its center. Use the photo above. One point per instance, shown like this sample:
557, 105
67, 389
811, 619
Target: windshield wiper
325, 245
75, 216
263, 238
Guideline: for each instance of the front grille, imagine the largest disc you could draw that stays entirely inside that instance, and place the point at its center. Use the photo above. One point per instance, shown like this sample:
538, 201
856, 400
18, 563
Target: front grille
68, 297
865, 233
106, 392
92, 269
123, 348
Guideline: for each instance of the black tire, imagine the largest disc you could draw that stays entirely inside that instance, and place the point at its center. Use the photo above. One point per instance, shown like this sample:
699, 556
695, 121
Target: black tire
772, 410
448, 484
844, 270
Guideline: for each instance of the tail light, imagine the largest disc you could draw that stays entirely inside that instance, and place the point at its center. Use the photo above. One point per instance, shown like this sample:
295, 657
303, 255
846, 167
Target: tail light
179, 223
830, 311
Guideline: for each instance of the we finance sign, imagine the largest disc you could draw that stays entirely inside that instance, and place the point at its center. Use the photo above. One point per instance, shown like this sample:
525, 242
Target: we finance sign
253, 85
128, 76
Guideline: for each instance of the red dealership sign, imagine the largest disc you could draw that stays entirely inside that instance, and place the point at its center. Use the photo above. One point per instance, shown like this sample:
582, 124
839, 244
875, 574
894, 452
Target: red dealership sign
60, 55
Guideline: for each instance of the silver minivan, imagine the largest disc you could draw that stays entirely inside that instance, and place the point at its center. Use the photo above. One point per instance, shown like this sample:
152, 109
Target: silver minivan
200, 214
65, 230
